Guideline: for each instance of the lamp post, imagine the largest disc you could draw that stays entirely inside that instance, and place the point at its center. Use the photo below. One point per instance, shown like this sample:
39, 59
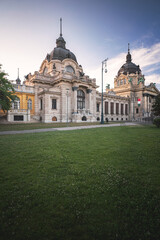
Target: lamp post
103, 63
67, 105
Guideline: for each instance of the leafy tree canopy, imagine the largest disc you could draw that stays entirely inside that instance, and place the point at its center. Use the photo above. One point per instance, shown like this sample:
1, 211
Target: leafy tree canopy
156, 106
7, 92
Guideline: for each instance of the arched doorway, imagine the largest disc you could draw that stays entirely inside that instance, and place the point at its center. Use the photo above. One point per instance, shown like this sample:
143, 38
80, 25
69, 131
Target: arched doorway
84, 118
54, 119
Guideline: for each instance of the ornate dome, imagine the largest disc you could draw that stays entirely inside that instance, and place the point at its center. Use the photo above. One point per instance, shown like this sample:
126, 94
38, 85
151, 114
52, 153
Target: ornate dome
129, 67
60, 52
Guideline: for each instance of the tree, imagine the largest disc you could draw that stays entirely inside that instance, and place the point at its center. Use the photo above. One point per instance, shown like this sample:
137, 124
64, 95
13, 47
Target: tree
7, 92
156, 106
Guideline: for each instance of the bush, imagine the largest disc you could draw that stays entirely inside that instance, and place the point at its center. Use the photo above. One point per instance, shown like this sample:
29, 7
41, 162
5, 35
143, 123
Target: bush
156, 121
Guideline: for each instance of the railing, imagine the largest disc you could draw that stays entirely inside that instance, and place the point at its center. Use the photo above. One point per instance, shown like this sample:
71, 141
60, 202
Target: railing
23, 88
19, 111
82, 112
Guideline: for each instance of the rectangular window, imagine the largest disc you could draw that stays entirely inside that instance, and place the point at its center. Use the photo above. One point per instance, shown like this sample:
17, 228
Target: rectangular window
122, 109
97, 107
137, 110
41, 104
54, 103
18, 117
17, 104
106, 107
126, 109
117, 108
112, 108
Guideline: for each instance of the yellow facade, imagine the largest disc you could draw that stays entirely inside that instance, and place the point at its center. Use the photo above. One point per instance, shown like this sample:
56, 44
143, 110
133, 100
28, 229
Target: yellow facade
24, 97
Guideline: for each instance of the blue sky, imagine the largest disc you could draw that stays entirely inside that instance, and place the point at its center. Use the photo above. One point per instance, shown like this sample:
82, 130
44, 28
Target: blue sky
93, 30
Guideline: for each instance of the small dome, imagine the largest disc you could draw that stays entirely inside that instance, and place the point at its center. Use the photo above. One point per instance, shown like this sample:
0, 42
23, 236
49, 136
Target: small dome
61, 54
129, 67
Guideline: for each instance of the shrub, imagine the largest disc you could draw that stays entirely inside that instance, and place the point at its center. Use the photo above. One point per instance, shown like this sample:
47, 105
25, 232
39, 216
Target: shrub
156, 121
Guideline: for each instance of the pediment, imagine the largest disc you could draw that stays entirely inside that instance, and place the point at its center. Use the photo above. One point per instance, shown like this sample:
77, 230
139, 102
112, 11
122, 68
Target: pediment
152, 88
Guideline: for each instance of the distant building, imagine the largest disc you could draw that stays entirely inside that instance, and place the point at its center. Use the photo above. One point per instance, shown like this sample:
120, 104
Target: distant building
130, 82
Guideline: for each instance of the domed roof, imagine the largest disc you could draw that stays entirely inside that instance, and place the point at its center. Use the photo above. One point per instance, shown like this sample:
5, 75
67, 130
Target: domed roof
60, 52
129, 67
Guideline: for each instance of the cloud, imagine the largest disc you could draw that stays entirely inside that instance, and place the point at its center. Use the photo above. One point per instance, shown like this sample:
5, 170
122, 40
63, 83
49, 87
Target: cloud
147, 58
155, 78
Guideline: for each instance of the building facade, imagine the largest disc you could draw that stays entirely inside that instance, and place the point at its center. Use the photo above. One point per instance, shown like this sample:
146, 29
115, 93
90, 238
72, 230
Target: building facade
130, 82
61, 92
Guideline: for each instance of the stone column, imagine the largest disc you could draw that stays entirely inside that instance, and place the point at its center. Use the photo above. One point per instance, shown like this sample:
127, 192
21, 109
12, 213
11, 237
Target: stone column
63, 105
124, 109
119, 108
145, 105
114, 108
46, 108
94, 105
75, 98
36, 101
109, 107
89, 99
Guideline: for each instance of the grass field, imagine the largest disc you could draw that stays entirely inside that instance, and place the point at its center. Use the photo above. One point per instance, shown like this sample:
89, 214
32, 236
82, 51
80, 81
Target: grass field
40, 125
95, 184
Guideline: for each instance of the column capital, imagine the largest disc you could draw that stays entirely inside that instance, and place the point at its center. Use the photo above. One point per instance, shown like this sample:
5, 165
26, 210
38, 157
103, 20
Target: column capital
89, 90
74, 88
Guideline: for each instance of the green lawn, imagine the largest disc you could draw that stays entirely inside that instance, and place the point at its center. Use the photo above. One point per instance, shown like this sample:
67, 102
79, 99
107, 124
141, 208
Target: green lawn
39, 125
95, 184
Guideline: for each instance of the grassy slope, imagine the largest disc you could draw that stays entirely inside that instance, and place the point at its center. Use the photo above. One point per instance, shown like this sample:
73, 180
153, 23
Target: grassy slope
87, 184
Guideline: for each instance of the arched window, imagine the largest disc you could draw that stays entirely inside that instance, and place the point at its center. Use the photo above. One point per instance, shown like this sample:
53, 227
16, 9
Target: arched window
80, 99
84, 118
69, 69
29, 104
16, 104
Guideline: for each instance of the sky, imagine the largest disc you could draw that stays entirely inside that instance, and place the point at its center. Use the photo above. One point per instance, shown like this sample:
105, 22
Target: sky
93, 31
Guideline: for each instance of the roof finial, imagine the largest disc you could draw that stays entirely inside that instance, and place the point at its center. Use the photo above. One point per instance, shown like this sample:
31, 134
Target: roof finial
61, 27
128, 48
18, 81
128, 57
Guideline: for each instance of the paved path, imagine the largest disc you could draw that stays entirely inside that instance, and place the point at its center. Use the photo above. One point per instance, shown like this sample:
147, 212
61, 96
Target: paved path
65, 128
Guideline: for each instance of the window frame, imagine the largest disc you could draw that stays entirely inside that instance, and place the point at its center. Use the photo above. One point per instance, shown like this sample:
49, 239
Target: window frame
54, 103
69, 69
80, 99
98, 107
29, 104
16, 104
